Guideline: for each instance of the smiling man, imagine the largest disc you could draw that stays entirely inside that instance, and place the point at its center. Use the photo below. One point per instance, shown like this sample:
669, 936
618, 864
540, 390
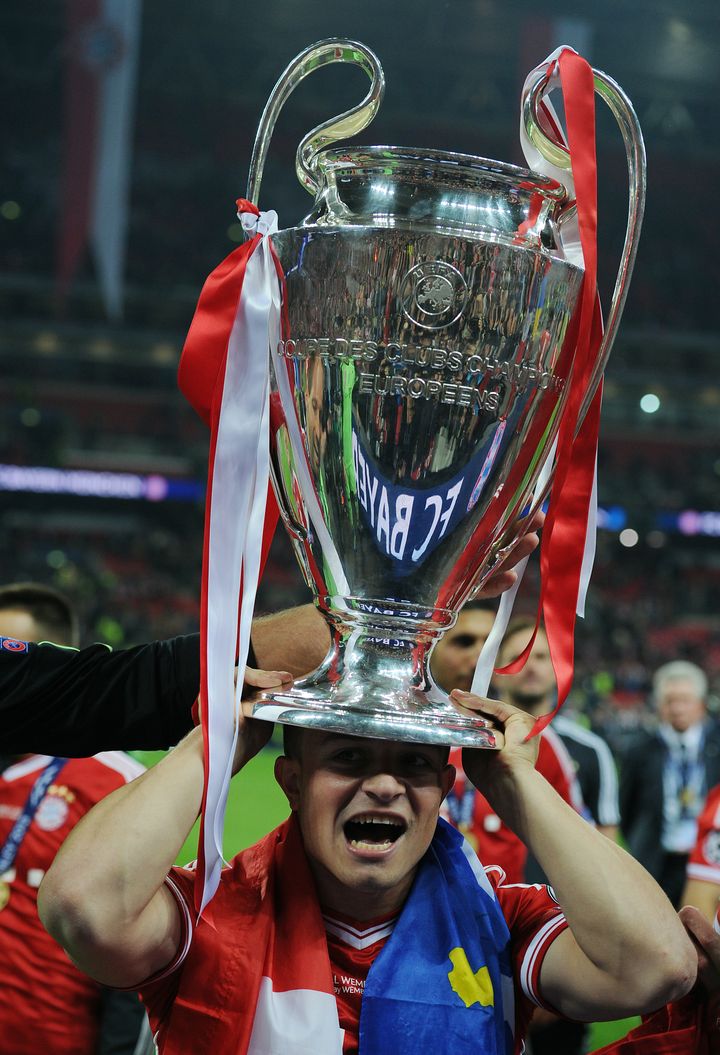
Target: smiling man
363, 923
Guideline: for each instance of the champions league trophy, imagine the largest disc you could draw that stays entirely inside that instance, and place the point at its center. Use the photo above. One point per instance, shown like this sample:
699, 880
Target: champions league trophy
418, 390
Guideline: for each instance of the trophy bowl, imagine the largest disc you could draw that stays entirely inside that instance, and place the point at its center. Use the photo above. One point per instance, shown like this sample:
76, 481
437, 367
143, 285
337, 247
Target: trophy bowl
417, 390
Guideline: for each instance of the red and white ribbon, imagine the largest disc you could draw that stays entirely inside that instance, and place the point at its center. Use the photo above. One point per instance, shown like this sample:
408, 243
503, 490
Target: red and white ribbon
574, 503
571, 246
237, 490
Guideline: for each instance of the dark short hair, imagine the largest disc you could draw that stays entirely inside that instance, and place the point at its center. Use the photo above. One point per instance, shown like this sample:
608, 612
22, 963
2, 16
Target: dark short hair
292, 742
516, 625
293, 738
50, 609
480, 604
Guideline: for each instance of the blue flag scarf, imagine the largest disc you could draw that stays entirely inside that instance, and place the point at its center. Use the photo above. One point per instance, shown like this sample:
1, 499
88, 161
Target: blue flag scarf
443, 982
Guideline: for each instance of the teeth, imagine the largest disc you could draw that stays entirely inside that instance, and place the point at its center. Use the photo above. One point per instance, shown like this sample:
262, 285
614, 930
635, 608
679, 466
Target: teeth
360, 844
376, 820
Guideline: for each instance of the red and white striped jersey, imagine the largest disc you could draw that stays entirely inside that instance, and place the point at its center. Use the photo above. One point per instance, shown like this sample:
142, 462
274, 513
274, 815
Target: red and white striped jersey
47, 1004
533, 916
704, 862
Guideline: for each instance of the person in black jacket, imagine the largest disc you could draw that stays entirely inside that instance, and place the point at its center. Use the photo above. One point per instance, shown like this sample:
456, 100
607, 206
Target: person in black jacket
665, 775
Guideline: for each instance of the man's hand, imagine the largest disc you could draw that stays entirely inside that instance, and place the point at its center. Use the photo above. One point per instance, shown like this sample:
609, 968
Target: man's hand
707, 943
504, 577
253, 733
488, 769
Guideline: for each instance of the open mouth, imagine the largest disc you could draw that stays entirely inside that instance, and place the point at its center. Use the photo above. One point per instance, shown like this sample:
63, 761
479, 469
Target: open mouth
373, 833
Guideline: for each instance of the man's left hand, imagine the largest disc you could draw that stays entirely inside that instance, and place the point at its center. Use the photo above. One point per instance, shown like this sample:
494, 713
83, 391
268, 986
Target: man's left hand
486, 768
504, 577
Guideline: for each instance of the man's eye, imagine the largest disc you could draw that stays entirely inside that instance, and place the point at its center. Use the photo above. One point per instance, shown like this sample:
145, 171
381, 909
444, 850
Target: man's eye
462, 641
418, 762
348, 756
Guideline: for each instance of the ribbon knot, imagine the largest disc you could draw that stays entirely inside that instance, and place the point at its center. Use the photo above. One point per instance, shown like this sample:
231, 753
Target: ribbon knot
253, 220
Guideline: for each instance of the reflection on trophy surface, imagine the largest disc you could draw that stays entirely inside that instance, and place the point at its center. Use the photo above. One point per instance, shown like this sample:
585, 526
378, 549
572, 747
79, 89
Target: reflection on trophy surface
418, 390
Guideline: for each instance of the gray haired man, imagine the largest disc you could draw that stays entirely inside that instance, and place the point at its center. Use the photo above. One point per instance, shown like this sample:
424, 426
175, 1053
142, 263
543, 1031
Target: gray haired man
666, 774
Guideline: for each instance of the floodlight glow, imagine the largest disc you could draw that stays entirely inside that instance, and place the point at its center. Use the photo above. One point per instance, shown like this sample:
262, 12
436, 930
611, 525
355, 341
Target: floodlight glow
650, 403
628, 537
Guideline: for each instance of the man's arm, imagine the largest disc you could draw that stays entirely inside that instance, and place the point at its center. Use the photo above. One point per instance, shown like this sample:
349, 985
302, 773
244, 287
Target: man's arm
296, 640
104, 899
62, 701
626, 951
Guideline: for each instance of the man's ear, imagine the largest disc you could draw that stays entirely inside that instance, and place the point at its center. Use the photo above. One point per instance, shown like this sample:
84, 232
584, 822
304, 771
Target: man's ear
287, 774
447, 779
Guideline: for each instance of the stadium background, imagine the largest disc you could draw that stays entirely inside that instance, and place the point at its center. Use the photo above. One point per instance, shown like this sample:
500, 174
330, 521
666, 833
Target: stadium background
101, 462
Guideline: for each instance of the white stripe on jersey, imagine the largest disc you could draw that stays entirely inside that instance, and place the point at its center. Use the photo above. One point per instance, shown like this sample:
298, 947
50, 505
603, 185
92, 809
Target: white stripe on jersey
28, 765
707, 873
543, 938
567, 765
123, 764
608, 808
359, 939
187, 927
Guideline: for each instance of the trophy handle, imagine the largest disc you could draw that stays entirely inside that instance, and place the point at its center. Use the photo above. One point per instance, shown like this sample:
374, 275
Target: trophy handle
346, 124
558, 155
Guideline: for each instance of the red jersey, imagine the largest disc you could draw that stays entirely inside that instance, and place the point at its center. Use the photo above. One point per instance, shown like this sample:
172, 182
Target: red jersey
48, 1006
704, 861
532, 914
471, 812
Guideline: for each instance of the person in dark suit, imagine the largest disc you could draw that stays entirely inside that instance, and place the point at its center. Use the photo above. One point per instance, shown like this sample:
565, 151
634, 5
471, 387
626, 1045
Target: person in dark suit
666, 774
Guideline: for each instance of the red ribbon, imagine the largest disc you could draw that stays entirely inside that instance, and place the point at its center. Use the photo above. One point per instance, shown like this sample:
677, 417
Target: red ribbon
201, 378
563, 541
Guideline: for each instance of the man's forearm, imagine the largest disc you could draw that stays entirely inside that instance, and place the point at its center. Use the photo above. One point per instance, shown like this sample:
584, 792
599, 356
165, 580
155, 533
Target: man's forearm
296, 640
111, 866
617, 913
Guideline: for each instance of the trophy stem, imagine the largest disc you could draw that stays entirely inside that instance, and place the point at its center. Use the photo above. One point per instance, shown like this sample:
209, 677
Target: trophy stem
375, 681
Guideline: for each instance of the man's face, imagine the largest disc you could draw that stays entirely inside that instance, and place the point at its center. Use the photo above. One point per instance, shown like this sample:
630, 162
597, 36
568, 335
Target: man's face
367, 810
680, 706
455, 656
14, 622
532, 687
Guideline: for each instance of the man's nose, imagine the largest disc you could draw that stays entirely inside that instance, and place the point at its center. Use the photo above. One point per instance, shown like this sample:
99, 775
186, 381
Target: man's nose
383, 786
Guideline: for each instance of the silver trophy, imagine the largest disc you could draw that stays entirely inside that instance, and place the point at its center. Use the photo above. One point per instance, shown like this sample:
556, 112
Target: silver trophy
416, 393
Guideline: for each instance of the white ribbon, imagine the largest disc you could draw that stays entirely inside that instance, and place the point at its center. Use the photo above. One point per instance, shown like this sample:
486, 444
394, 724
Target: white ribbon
489, 652
237, 514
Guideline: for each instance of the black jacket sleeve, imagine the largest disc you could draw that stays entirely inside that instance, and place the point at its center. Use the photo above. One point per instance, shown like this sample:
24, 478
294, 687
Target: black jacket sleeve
61, 701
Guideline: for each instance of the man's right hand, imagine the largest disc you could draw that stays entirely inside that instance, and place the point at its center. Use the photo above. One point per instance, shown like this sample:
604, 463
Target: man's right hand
254, 733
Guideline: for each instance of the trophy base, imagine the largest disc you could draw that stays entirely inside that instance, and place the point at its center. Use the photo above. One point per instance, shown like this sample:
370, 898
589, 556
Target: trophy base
421, 720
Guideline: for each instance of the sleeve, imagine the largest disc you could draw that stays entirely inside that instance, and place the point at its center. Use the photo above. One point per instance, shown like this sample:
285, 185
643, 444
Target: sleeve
158, 992
704, 861
61, 701
535, 920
